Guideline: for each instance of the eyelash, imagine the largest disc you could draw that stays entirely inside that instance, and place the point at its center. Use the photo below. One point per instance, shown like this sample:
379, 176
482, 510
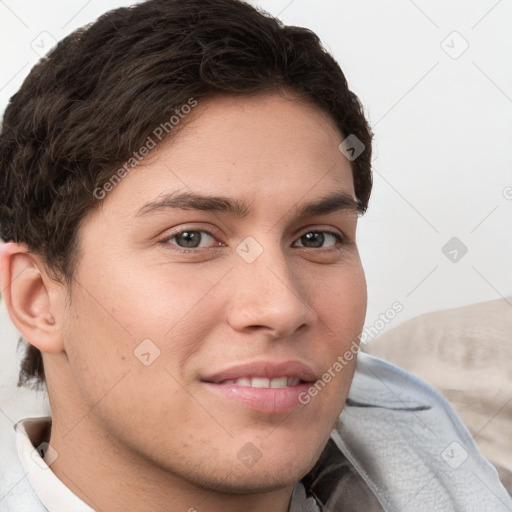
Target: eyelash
340, 240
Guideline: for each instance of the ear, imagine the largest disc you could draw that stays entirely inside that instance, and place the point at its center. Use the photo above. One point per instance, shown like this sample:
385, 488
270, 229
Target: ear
33, 298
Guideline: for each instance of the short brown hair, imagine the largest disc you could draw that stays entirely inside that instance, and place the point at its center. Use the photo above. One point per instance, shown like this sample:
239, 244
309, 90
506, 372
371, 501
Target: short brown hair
93, 100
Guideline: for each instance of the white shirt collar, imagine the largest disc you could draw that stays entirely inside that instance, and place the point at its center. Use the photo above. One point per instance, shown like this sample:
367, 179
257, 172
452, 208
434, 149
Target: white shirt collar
51, 491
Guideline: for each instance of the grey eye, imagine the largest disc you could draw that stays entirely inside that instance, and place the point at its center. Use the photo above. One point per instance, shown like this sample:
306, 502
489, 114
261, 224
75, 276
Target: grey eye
190, 239
316, 239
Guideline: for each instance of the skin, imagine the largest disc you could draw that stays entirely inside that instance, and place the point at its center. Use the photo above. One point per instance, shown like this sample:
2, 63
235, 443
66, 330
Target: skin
150, 436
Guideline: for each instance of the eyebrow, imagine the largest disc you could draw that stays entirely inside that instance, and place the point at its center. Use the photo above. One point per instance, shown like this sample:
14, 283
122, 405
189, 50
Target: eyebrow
192, 201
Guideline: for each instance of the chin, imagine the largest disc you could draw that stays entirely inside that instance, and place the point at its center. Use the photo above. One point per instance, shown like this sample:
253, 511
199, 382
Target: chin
254, 480
269, 473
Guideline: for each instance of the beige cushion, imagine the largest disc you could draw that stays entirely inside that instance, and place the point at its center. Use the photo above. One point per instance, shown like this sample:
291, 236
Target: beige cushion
466, 354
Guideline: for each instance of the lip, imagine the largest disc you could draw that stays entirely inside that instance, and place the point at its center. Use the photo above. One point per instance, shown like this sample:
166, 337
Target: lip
266, 369
264, 400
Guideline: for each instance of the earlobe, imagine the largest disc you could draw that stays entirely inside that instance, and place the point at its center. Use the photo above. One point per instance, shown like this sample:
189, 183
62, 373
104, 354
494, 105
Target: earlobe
25, 291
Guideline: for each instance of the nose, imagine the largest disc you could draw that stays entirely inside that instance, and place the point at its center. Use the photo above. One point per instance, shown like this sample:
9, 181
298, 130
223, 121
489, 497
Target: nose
268, 296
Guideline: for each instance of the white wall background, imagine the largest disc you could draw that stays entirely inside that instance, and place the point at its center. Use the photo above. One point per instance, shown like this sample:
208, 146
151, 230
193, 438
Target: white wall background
443, 138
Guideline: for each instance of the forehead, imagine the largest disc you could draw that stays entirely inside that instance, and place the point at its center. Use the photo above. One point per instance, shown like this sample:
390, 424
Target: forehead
259, 148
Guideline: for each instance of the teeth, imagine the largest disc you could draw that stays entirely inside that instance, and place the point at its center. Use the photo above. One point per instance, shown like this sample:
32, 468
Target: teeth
281, 382
258, 382
261, 382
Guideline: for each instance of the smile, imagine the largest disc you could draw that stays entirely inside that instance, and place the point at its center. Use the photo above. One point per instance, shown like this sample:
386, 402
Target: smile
264, 386
263, 382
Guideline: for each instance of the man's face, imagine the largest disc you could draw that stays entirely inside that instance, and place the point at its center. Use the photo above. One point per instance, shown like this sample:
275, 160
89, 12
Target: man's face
221, 297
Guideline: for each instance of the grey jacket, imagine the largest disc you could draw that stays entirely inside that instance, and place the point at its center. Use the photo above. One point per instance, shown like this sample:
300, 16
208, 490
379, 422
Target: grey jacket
397, 447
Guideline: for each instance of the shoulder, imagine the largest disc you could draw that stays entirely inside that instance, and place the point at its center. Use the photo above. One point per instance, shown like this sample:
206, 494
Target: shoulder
410, 447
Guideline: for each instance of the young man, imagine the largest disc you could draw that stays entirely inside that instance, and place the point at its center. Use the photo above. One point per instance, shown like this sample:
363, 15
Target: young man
181, 183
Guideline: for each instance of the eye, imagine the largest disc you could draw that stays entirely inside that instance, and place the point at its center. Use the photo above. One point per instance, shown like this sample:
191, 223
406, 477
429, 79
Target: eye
191, 239
316, 239
188, 239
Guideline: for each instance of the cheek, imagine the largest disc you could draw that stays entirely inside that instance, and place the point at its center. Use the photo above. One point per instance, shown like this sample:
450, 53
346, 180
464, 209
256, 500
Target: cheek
161, 296
340, 299
96, 346
117, 360
340, 303
121, 321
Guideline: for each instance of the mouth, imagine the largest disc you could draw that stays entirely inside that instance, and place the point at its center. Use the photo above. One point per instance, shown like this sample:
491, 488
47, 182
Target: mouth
264, 387
263, 382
